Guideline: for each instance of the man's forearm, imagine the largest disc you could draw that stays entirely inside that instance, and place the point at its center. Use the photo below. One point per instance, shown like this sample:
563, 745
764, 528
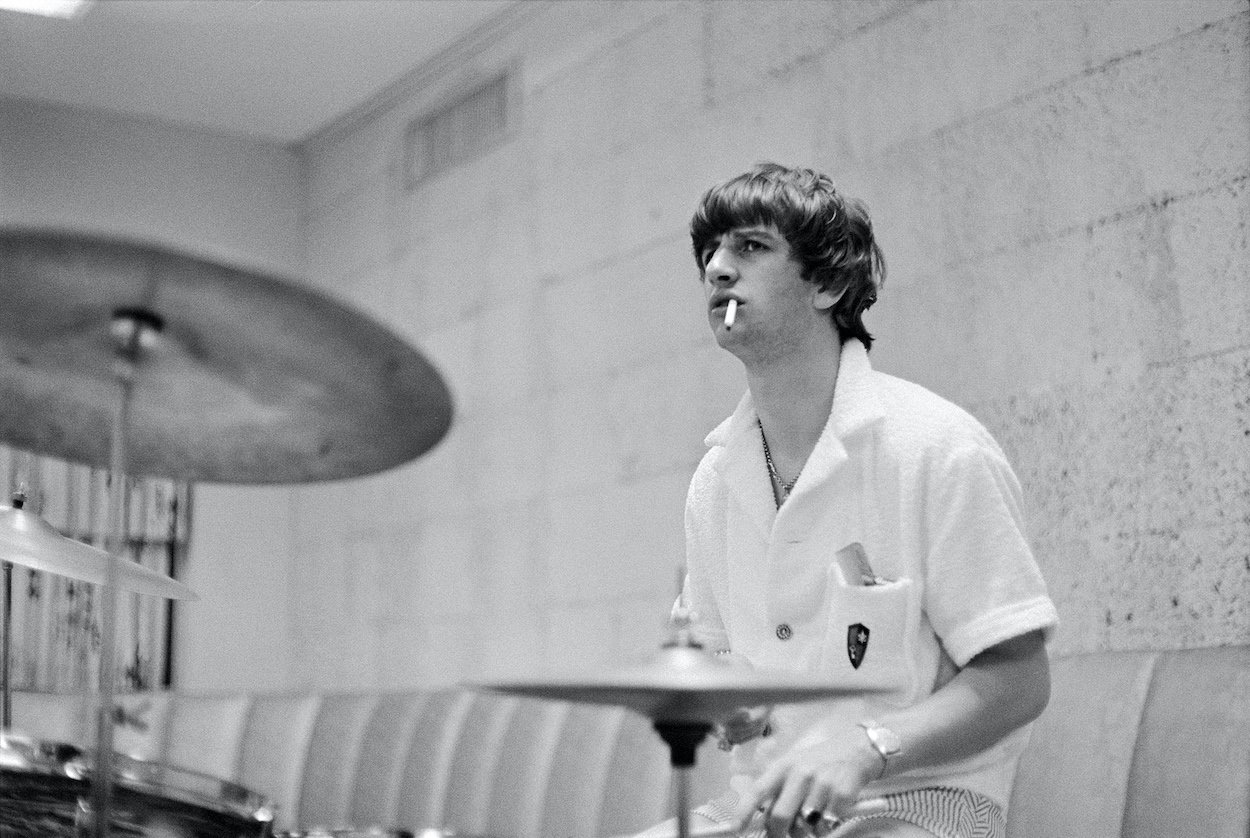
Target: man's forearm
1000, 690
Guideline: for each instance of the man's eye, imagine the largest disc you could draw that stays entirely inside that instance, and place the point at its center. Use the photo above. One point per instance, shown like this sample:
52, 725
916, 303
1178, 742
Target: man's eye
752, 245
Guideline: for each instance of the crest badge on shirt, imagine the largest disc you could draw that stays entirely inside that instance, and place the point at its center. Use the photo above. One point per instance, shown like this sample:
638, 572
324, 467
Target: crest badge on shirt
856, 643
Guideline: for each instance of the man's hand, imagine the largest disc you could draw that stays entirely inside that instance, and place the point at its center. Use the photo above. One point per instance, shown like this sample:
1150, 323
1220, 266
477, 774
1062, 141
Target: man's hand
824, 772
1002, 688
745, 724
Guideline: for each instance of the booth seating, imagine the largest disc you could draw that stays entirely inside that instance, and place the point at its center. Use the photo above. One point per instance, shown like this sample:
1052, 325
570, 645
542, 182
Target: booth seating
1133, 745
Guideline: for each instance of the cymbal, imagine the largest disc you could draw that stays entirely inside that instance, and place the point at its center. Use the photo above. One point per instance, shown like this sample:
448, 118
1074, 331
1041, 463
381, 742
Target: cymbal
250, 378
680, 684
28, 540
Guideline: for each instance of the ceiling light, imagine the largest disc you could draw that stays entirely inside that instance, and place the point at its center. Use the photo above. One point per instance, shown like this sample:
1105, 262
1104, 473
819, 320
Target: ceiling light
47, 8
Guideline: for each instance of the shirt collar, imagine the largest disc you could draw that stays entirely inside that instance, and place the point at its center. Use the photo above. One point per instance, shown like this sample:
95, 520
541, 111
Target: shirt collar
856, 403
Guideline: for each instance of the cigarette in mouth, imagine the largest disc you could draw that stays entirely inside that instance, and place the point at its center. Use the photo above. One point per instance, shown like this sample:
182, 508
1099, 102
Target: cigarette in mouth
731, 312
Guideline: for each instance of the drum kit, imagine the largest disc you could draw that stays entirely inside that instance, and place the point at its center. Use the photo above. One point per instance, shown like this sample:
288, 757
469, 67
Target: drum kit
146, 361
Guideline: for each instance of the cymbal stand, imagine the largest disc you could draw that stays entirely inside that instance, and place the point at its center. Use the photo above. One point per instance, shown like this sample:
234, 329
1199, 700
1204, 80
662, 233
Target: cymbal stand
6, 688
6, 648
131, 329
682, 736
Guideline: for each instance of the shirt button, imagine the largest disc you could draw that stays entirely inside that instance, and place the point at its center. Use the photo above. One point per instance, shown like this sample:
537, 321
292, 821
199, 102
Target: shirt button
784, 632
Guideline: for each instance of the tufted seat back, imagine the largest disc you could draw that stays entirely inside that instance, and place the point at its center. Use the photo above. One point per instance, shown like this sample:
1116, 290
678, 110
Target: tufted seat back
1140, 744
473, 762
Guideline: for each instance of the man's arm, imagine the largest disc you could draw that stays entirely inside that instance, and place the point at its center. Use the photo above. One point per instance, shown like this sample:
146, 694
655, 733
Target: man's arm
1001, 689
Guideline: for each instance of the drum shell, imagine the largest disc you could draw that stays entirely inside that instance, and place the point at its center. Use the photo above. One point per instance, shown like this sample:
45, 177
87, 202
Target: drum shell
44, 794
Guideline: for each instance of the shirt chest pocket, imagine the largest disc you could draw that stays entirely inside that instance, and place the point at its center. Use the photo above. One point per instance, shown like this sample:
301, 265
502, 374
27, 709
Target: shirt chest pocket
868, 634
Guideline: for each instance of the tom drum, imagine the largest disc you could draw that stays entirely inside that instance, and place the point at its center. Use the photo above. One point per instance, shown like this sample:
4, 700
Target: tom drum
45, 792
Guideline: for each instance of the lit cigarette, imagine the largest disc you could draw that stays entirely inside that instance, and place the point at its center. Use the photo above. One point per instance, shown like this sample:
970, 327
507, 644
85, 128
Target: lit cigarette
731, 312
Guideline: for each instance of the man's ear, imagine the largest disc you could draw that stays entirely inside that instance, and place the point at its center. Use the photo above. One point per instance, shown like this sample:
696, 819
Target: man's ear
823, 300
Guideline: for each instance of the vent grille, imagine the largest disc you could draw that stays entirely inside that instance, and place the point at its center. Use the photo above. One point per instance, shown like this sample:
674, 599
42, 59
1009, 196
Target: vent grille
459, 131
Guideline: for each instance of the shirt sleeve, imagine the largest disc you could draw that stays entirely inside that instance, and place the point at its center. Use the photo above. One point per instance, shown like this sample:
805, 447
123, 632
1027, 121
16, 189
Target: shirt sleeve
982, 583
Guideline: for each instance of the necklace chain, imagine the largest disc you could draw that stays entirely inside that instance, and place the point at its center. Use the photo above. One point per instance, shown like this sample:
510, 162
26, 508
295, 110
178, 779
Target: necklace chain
786, 487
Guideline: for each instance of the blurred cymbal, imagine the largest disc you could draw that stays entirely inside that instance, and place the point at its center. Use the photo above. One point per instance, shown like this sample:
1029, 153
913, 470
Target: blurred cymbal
28, 540
250, 379
680, 684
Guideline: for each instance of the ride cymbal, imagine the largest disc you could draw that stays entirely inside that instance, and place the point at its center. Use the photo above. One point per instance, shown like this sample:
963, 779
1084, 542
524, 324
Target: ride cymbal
240, 377
679, 684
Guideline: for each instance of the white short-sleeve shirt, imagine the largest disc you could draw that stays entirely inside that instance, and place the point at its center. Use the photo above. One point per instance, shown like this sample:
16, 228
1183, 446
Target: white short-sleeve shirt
929, 495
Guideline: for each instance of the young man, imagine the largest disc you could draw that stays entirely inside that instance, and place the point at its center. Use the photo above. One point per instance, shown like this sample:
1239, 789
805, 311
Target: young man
850, 524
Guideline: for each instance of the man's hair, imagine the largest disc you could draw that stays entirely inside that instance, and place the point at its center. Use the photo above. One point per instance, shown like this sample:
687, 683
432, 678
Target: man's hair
830, 235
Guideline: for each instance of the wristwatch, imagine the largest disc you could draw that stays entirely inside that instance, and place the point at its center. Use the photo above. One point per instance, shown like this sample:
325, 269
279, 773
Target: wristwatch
884, 740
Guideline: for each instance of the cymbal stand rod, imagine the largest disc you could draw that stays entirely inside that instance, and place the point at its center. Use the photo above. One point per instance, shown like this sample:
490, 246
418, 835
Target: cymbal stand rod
128, 329
6, 648
682, 738
682, 775
6, 687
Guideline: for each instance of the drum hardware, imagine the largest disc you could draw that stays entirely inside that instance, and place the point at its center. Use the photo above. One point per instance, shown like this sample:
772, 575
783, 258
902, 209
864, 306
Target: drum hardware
684, 691
368, 832
717, 831
373, 832
46, 786
197, 371
6, 688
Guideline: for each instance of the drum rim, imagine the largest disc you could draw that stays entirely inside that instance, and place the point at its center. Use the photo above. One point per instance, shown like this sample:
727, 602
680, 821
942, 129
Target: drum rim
52, 757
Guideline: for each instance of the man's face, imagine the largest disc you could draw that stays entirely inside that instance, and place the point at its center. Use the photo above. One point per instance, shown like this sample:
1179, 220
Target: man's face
754, 266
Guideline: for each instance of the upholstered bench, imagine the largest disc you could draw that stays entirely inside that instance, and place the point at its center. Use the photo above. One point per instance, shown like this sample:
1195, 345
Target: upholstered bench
1132, 744
1140, 745
473, 762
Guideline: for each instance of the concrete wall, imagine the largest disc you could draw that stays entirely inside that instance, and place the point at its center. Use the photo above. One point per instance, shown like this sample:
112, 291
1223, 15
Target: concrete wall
1061, 191
227, 198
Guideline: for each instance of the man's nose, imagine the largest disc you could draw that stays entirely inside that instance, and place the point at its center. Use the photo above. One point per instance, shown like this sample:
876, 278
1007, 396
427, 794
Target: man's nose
720, 267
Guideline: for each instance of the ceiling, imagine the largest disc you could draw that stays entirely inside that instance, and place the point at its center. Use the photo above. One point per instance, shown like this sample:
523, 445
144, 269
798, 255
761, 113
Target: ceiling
274, 69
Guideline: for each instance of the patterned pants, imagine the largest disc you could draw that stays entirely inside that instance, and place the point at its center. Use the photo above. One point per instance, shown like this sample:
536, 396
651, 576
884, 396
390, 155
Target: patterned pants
946, 812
